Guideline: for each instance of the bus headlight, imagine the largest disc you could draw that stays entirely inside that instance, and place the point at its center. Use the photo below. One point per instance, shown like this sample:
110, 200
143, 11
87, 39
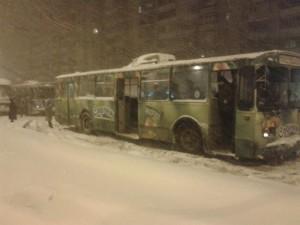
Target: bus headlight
266, 134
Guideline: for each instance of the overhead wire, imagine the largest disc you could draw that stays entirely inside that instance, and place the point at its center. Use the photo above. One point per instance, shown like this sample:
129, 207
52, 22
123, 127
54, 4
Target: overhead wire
54, 15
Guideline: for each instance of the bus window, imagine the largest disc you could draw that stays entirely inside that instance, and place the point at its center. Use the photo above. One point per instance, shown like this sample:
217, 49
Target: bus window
60, 90
4, 91
87, 86
189, 82
246, 88
71, 90
31, 92
52, 92
104, 85
44, 92
131, 88
294, 95
155, 84
272, 87
65, 89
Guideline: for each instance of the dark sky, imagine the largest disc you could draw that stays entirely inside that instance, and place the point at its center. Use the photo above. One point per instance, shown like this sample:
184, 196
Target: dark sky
26, 28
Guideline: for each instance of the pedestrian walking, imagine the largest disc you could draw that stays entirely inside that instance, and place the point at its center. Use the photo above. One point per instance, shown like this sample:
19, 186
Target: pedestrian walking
12, 114
49, 111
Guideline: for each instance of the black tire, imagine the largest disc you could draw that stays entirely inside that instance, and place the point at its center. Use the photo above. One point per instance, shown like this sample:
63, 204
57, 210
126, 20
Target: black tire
86, 123
189, 139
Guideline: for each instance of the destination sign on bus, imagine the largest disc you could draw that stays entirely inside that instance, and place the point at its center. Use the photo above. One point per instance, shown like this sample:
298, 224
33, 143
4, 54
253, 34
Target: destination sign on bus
289, 60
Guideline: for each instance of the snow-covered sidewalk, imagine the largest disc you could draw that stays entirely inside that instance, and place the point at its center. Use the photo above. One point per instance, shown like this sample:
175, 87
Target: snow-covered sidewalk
55, 176
288, 173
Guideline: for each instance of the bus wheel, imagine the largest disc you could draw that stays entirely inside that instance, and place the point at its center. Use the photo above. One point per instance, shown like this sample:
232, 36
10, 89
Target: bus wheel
86, 124
189, 139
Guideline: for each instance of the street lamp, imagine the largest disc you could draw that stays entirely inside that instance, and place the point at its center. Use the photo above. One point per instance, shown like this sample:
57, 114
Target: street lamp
95, 31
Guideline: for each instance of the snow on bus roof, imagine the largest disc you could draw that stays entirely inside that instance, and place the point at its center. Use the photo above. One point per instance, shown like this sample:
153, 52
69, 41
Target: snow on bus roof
180, 62
31, 83
4, 81
151, 58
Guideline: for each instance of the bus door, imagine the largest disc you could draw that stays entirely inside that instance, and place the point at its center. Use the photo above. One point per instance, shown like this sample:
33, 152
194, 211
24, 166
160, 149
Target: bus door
70, 93
223, 108
127, 104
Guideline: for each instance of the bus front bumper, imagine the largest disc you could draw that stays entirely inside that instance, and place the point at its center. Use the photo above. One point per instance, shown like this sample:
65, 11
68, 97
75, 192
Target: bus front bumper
282, 149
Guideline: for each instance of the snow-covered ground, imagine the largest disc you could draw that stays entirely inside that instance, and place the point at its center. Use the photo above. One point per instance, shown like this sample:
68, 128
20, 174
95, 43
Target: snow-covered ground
56, 176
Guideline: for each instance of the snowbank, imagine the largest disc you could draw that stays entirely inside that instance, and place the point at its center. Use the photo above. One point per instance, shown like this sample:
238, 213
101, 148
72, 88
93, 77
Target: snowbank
55, 176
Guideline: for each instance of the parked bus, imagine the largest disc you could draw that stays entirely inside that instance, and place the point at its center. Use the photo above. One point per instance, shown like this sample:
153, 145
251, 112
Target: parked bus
31, 96
245, 105
5, 92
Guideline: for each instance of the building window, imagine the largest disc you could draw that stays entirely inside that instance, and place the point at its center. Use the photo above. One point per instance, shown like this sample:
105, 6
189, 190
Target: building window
210, 18
146, 5
165, 2
167, 14
290, 22
289, 3
291, 44
260, 26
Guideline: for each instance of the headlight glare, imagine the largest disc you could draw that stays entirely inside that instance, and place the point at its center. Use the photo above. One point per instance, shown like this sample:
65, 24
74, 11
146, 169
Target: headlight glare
266, 134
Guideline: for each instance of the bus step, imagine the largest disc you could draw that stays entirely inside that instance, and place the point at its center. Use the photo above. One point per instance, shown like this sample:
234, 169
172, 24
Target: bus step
223, 152
132, 136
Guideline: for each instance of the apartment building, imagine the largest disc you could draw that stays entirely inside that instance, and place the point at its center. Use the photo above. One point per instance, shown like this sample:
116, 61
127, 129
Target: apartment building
89, 35
195, 28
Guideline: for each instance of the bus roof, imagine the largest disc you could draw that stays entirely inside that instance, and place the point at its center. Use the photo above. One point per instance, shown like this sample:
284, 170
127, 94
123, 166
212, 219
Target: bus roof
226, 58
33, 83
4, 81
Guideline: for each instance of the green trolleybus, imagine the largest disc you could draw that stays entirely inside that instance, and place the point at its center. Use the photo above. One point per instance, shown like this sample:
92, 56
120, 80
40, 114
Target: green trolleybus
5, 94
246, 104
31, 96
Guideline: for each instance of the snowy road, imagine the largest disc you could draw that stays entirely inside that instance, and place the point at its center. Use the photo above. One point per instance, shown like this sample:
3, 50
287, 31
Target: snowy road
59, 177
